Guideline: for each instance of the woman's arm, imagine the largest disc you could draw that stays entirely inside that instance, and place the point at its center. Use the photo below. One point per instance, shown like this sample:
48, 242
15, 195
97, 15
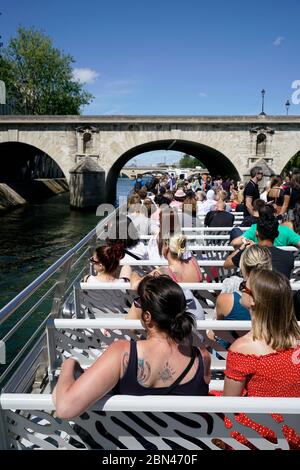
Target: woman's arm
233, 388
228, 263
206, 363
72, 397
285, 205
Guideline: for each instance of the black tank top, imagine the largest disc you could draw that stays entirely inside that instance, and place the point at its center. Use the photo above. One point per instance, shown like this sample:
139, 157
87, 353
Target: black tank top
128, 384
278, 200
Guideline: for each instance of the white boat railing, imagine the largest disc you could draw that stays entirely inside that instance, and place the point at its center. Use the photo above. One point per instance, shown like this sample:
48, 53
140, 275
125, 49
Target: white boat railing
156, 422
160, 403
121, 323
207, 286
230, 248
212, 229
195, 237
61, 276
159, 262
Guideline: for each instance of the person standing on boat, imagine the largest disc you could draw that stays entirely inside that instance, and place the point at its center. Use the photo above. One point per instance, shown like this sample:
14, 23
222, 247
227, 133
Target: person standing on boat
251, 191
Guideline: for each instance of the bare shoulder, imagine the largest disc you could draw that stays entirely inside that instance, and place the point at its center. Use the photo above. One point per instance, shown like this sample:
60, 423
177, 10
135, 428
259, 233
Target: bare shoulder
244, 345
112, 358
224, 297
224, 303
119, 347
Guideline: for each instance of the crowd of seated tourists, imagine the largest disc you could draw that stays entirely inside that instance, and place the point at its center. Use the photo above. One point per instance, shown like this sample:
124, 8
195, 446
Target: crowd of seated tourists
166, 358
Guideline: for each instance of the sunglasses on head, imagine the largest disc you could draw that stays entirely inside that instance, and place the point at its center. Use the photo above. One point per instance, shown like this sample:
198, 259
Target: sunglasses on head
244, 288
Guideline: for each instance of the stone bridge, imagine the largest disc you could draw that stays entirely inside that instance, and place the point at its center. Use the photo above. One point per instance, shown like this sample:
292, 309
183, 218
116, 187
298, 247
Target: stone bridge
224, 144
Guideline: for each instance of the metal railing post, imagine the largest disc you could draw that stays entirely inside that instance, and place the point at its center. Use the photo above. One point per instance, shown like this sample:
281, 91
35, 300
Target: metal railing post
56, 309
51, 349
77, 303
4, 439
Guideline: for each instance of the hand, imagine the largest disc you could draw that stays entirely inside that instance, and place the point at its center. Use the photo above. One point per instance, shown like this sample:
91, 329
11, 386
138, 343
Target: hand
155, 273
210, 334
246, 243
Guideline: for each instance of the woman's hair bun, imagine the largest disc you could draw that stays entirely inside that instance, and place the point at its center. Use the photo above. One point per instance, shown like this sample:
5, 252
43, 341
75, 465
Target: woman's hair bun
177, 245
110, 255
166, 302
181, 325
117, 250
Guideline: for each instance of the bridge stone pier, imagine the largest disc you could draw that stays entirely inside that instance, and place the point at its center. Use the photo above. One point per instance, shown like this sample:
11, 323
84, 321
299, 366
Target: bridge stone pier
225, 144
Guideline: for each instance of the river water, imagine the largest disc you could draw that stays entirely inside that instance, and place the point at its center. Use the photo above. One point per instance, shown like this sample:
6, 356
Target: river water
33, 237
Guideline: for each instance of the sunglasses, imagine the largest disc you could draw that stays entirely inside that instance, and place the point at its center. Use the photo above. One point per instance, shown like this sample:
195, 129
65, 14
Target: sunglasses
93, 261
244, 288
137, 302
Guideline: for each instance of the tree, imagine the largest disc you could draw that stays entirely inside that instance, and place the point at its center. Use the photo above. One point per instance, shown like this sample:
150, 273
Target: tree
39, 77
293, 163
189, 162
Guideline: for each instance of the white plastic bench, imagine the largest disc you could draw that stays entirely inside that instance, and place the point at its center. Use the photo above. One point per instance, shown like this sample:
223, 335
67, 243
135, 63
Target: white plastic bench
87, 338
28, 421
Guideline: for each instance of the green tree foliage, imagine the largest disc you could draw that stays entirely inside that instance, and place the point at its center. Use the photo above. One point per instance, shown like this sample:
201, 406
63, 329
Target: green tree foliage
39, 77
189, 162
293, 163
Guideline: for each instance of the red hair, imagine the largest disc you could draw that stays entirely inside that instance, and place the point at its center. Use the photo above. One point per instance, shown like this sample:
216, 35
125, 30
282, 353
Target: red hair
110, 255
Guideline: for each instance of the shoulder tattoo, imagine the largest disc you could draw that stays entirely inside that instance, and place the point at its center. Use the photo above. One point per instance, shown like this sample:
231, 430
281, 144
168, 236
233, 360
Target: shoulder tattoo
143, 372
167, 373
125, 361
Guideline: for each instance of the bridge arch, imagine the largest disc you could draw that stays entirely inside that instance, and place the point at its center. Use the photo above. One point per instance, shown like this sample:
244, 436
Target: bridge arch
18, 159
215, 161
287, 158
23, 164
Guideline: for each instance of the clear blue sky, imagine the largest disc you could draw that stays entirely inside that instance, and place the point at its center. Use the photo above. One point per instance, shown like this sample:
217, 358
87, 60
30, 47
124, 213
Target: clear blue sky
171, 56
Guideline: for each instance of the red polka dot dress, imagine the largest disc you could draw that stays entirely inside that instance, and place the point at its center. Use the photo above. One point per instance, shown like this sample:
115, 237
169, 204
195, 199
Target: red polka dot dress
271, 375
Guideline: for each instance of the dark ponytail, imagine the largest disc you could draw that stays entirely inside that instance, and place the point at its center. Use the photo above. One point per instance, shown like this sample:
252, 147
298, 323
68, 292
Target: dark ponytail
166, 302
181, 326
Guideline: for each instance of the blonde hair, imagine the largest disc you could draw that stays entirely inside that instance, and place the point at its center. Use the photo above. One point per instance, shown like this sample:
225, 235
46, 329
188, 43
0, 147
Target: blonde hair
255, 256
177, 245
274, 320
221, 195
